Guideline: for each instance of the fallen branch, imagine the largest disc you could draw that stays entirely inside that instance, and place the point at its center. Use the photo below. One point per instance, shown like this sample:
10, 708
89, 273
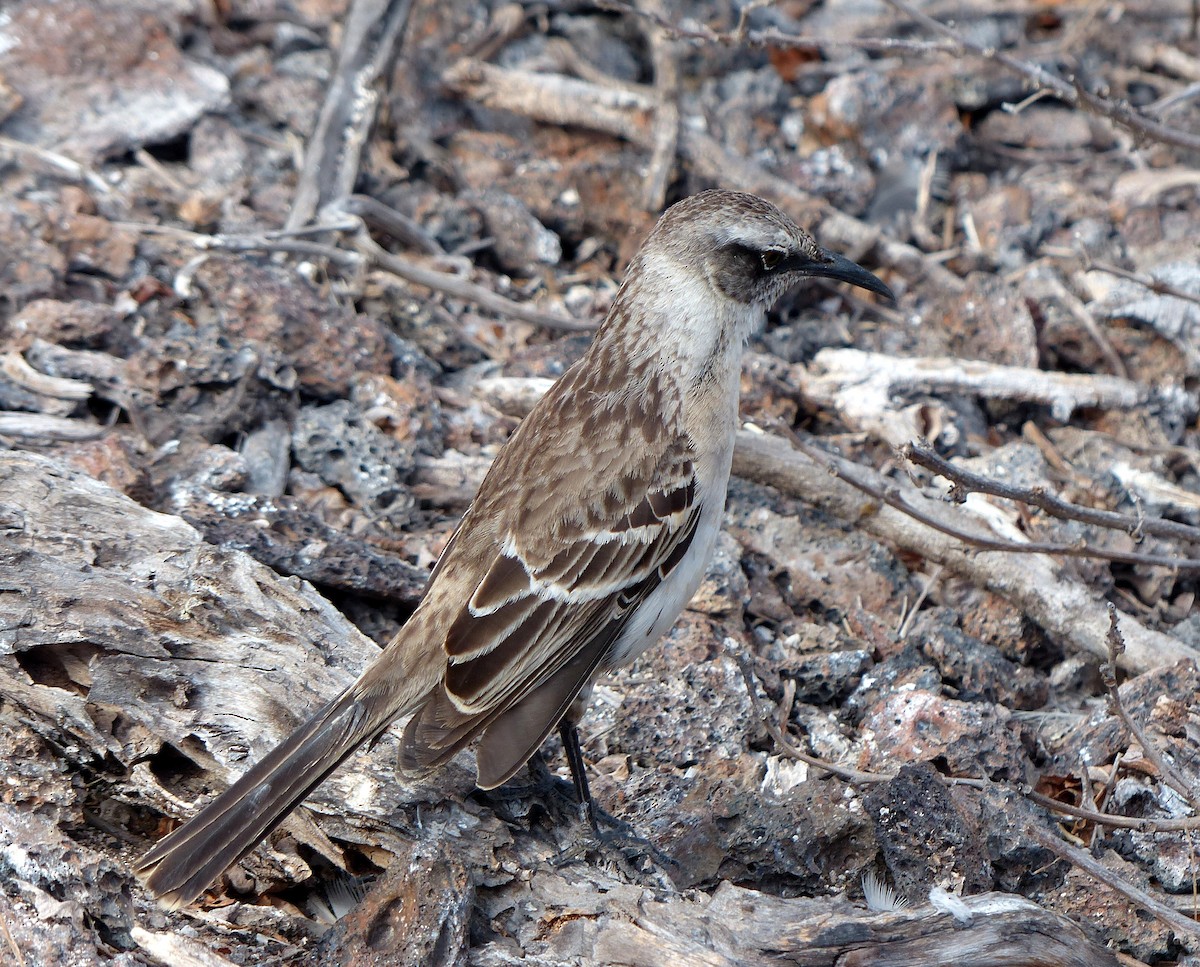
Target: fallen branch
1062, 605
622, 111
1069, 90
698, 34
368, 252
892, 496
782, 742
665, 130
965, 481
1156, 286
862, 388
459, 288
331, 160
1184, 926
1166, 771
1142, 825
39, 426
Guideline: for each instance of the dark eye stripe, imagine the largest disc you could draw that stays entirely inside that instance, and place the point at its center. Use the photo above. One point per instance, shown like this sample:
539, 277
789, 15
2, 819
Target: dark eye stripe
758, 260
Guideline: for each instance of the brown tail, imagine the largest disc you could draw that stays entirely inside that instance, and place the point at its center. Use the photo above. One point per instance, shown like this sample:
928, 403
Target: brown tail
179, 867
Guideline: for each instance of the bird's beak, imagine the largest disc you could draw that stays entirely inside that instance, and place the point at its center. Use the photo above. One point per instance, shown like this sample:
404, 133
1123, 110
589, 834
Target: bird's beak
832, 266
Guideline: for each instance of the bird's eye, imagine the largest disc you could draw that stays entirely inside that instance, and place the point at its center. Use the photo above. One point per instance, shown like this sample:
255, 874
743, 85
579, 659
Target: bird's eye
771, 258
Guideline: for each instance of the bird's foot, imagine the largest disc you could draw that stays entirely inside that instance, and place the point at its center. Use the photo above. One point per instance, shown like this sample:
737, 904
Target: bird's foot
592, 830
514, 801
597, 831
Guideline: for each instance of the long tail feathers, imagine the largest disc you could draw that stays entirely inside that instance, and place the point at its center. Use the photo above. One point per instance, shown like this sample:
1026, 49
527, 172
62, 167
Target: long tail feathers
183, 864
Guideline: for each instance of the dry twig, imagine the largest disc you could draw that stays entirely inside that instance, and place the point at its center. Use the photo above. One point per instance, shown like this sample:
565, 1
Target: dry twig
1070, 90
61, 163
39, 426
1182, 925
698, 34
863, 388
460, 288
781, 740
1167, 771
893, 497
1085, 318
964, 482
1060, 603
373, 28
1109, 819
665, 130
1154, 285
370, 252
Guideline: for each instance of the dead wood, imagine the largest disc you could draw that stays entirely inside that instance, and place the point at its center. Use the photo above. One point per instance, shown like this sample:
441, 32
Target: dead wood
871, 391
1061, 604
334, 152
624, 111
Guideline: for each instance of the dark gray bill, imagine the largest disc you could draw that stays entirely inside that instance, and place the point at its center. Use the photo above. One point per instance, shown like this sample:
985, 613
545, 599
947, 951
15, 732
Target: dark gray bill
833, 266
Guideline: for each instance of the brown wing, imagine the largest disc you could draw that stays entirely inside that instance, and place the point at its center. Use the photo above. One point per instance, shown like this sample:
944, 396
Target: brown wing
545, 615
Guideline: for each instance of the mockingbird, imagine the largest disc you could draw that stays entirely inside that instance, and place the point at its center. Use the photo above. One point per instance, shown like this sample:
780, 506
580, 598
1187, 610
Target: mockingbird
589, 534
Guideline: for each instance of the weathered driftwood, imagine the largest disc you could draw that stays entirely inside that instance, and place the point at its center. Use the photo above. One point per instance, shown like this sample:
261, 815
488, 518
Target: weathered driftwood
870, 391
122, 632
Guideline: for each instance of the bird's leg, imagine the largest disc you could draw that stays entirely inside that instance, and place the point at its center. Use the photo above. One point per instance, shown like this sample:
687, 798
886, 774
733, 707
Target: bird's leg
603, 830
619, 835
568, 731
553, 791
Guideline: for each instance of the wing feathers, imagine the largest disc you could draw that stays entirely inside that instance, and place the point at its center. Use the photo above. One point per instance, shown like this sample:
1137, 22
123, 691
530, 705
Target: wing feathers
546, 614
514, 736
506, 580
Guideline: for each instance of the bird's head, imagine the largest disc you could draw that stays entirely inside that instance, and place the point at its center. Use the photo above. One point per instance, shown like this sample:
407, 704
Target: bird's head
749, 250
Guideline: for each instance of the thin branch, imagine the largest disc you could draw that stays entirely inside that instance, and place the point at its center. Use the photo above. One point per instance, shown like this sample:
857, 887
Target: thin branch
910, 617
72, 169
1076, 307
1070, 91
965, 481
893, 498
1151, 283
1182, 925
624, 111
370, 252
1167, 771
782, 741
1057, 601
1108, 819
385, 218
460, 288
697, 34
12, 944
